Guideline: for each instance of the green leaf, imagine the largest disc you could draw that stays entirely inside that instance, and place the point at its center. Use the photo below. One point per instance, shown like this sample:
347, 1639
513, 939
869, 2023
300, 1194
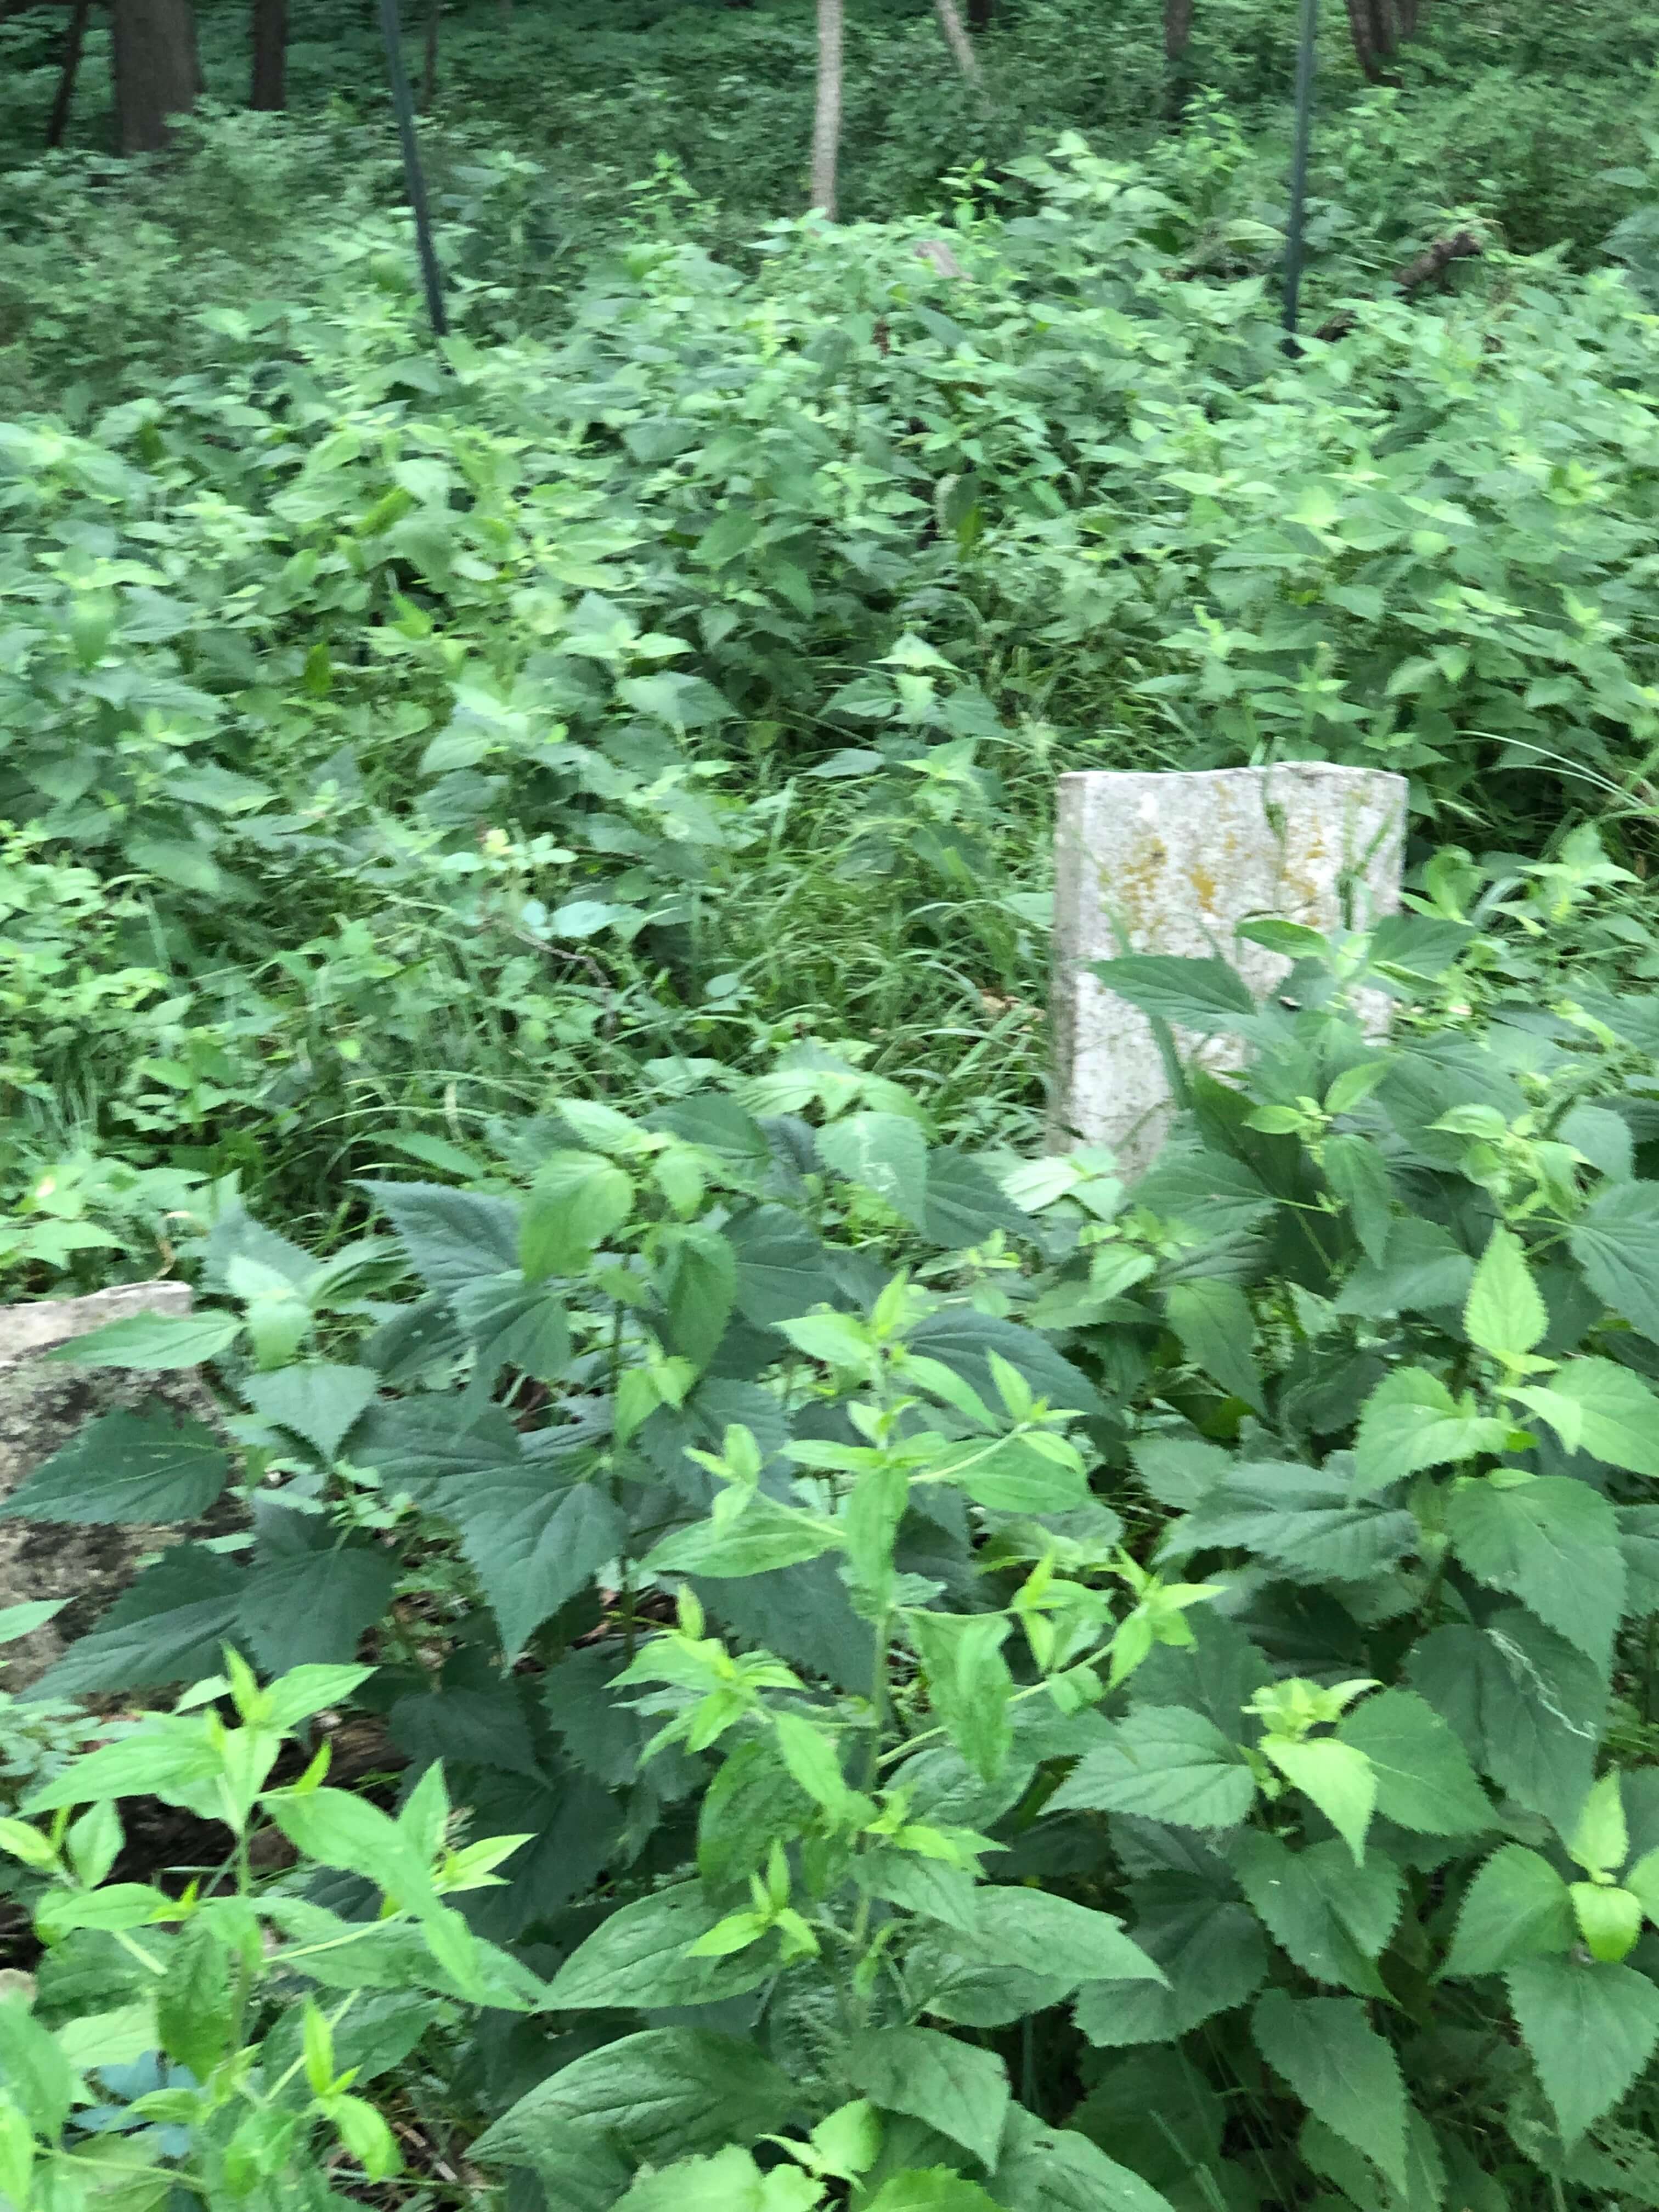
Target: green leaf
730, 2181
37, 2075
1165, 1763
1338, 1778
339, 1830
152, 1341
151, 1466
575, 1202
1342, 2070
313, 1608
764, 1536
451, 1236
1590, 2029
1212, 1955
535, 1543
1600, 1841
969, 1684
1423, 1269
1205, 996
1528, 1707
1045, 2169
1012, 1474
1615, 1240
1043, 1934
1619, 1414
170, 1626
950, 2086
1332, 1918
1609, 1919
666, 2094
319, 1400
1553, 1543
1505, 1314
702, 1281
1356, 1172
1424, 1778
964, 1340
637, 1958
783, 1270
1217, 1329
1517, 1906
1411, 1421
965, 1205
886, 1153
194, 2010
935, 2189
513, 1323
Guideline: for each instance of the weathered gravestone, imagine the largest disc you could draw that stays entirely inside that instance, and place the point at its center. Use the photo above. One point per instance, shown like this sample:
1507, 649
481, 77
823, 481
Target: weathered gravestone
1172, 864
44, 1406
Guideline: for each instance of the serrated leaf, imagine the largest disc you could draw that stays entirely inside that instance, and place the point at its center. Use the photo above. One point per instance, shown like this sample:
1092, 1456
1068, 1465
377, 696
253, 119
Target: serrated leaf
1217, 1330
1609, 1919
314, 1608
1333, 1919
1590, 2029
150, 1466
637, 1959
152, 1341
1424, 1778
169, 1626
1516, 1906
1553, 1543
1338, 1779
934, 2078
886, 1153
1619, 1415
1205, 996
1213, 1957
319, 1400
968, 1683
1358, 1173
1411, 1421
1423, 1269
1615, 1240
1165, 1763
1044, 2169
1041, 1933
451, 1236
700, 1277
964, 1204
1528, 1707
1342, 2070
783, 1270
1505, 1314
763, 1536
575, 1202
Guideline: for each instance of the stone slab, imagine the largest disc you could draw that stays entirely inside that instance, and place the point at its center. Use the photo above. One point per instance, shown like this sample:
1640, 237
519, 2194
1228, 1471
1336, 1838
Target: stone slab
45, 1405
1172, 863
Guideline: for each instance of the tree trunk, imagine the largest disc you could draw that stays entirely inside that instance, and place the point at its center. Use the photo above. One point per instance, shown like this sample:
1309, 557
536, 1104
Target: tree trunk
958, 41
429, 68
64, 99
979, 15
1177, 27
270, 24
158, 71
826, 119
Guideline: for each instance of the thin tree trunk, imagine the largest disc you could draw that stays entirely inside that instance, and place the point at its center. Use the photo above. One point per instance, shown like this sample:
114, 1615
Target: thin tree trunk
270, 24
1362, 32
429, 70
158, 70
979, 15
958, 41
64, 99
1177, 27
826, 119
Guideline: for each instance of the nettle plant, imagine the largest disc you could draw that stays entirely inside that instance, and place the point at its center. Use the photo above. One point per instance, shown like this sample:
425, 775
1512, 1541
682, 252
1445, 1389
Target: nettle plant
1017, 1690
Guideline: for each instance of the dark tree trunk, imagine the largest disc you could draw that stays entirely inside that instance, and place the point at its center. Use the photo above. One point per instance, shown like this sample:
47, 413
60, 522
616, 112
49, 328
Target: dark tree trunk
979, 15
158, 71
64, 99
1375, 33
1177, 27
430, 71
269, 25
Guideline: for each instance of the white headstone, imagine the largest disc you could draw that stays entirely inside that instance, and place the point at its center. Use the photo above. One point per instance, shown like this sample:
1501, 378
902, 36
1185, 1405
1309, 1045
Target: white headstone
1173, 863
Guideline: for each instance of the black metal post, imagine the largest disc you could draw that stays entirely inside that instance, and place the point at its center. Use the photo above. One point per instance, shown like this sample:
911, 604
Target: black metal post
414, 177
1294, 236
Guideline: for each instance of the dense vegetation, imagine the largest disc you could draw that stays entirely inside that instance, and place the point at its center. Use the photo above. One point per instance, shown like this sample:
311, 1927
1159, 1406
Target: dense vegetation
898, 1673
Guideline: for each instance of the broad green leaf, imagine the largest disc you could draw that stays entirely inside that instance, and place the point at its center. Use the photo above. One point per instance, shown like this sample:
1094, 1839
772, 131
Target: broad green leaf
19, 1621
451, 1236
152, 1341
1615, 1240
702, 1281
964, 1204
1205, 996
952, 2086
1517, 1906
195, 2008
1590, 2029
514, 1323
965, 1338
170, 1626
1600, 1842
1044, 2169
1505, 1314
1356, 1171
1341, 2069
1165, 1763
151, 1466
931, 2189
319, 1400
535, 1543
313, 1608
666, 2094
783, 1270
1609, 1919
637, 1958
969, 1684
764, 1536
575, 1202
1619, 1414
1423, 1269
1424, 1778
1411, 1421
36, 2073
730, 2181
1333, 1918
1553, 1543
340, 1829
1338, 1777
1527, 1706
1212, 1955
1043, 1934
1217, 1329
1012, 1474
886, 1153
